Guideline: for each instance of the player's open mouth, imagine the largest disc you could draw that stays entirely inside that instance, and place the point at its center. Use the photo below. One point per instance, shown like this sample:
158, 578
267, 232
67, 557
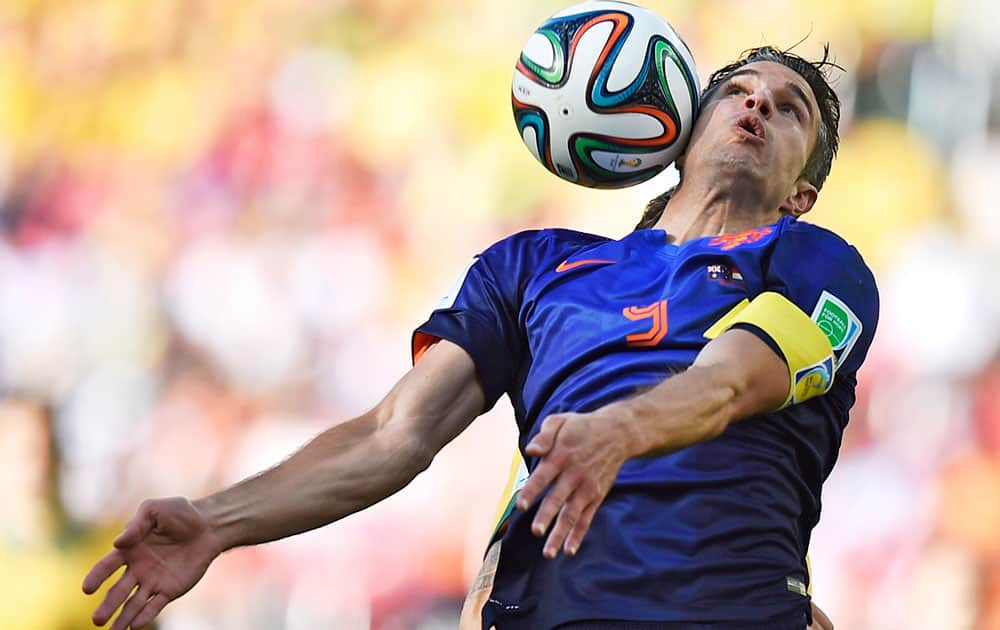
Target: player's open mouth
752, 126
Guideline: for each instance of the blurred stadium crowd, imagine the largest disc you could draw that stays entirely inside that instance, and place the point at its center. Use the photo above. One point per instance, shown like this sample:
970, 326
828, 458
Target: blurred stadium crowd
220, 221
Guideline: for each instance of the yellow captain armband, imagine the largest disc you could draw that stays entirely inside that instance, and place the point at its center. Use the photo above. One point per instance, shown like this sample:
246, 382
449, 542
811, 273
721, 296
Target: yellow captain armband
806, 349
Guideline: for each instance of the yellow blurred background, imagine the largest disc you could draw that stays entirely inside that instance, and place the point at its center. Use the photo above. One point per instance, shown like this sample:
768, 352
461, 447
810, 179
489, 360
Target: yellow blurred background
220, 221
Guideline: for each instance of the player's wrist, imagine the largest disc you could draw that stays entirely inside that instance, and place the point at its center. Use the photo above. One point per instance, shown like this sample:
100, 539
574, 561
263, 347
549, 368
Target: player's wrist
220, 525
626, 418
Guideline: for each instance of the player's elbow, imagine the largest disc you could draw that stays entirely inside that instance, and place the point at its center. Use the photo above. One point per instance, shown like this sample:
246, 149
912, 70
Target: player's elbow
417, 453
742, 390
403, 443
749, 393
404, 448
730, 387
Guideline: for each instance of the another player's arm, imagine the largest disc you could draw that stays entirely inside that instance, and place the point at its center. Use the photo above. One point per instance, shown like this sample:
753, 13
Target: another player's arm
169, 544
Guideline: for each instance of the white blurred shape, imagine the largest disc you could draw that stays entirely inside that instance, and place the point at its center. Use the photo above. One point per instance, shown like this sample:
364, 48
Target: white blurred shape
173, 619
104, 417
180, 426
38, 325
973, 175
312, 90
314, 604
117, 311
223, 299
874, 513
868, 499
87, 490
937, 307
358, 373
968, 27
920, 421
940, 594
336, 281
948, 102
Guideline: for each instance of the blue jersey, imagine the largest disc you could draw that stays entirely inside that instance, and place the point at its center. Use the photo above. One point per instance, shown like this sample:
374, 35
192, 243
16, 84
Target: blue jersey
716, 532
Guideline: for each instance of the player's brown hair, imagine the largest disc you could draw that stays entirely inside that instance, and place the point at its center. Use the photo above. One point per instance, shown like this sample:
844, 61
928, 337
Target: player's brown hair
818, 165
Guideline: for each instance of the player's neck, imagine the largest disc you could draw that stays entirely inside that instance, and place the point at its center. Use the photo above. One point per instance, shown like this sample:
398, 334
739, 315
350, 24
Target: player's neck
696, 211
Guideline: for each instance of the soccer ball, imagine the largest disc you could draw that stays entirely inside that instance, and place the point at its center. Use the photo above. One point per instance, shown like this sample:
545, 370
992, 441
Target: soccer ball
605, 94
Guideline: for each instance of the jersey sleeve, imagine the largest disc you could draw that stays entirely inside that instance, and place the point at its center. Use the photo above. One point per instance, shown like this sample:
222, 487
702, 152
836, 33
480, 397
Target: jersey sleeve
829, 281
480, 313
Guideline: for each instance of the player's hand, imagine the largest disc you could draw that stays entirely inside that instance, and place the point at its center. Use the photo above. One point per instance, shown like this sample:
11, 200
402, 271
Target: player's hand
581, 454
820, 620
165, 549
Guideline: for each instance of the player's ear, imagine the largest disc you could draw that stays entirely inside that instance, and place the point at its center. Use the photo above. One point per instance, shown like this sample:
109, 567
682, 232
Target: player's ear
800, 200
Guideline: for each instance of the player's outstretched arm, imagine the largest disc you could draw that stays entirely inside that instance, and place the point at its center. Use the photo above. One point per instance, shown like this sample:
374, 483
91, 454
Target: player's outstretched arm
169, 543
735, 376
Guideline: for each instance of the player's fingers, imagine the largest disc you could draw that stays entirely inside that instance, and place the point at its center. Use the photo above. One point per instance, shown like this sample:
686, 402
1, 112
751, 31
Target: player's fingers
138, 527
546, 437
567, 518
580, 528
114, 598
150, 611
131, 608
552, 504
102, 570
537, 482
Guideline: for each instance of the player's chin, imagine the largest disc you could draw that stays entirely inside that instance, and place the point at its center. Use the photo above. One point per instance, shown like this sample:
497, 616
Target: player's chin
741, 161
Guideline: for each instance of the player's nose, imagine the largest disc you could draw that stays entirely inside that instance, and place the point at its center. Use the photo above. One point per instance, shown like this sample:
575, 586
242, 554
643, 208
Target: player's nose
761, 101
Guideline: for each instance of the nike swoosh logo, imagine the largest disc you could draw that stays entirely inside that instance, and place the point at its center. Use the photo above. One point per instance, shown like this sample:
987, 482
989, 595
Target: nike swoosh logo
567, 265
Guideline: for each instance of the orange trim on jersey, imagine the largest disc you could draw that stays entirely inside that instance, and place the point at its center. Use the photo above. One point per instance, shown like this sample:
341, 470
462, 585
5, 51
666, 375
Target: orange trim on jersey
658, 313
732, 241
421, 343
566, 265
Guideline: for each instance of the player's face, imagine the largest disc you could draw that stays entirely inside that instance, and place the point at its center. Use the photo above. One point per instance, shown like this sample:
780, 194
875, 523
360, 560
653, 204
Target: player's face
761, 122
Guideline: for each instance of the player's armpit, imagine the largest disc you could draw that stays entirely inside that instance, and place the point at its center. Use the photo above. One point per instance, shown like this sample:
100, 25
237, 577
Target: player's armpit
438, 398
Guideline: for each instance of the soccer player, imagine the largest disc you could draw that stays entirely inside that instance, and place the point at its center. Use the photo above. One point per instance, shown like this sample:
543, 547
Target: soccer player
680, 396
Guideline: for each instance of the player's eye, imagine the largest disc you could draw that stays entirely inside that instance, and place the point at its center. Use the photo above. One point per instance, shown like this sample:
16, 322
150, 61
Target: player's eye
735, 88
791, 110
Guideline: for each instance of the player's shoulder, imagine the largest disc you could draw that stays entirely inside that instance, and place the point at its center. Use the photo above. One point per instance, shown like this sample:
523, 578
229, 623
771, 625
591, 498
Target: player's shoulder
536, 245
812, 246
827, 277
559, 237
